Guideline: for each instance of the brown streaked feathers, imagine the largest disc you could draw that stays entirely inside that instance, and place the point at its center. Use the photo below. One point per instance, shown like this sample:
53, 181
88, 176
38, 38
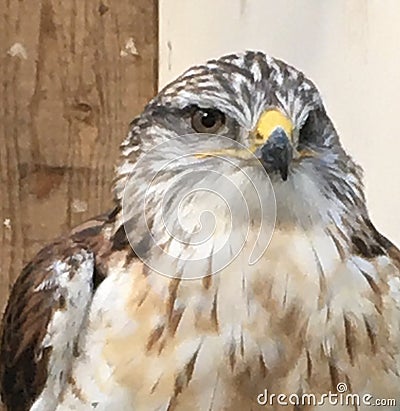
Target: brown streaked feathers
23, 359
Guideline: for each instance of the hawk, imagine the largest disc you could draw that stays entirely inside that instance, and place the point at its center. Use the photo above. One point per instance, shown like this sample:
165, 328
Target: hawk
117, 315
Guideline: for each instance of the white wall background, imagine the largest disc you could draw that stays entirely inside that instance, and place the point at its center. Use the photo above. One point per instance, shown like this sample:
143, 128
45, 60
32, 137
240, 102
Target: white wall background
349, 48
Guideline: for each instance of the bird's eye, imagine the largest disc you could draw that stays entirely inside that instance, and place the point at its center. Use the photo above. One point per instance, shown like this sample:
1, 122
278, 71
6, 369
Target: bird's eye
207, 120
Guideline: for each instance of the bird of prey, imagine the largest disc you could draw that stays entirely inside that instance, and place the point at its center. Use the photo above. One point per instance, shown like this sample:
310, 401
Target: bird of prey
92, 322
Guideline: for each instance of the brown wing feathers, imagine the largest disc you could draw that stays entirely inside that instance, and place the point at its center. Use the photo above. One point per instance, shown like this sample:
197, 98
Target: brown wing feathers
32, 303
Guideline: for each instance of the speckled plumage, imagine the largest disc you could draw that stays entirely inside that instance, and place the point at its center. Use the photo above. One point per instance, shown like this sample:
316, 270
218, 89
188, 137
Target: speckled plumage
320, 306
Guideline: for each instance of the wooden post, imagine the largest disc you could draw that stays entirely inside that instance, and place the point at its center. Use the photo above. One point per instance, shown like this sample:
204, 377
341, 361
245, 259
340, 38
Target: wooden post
72, 76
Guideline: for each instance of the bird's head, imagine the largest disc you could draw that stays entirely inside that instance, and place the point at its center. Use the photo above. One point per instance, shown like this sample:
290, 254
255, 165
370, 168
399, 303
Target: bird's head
273, 112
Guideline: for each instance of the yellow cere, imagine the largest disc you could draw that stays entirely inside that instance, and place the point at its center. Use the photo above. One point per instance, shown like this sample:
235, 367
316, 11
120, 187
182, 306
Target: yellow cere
269, 121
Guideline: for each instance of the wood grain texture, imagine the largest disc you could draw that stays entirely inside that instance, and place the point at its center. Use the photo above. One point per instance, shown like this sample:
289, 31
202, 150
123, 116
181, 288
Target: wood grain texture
68, 88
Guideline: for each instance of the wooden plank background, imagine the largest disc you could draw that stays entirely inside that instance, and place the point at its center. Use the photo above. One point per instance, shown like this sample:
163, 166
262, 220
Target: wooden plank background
72, 75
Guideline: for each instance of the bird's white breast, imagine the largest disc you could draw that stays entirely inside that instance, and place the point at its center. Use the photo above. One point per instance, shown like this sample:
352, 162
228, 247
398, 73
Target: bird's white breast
153, 342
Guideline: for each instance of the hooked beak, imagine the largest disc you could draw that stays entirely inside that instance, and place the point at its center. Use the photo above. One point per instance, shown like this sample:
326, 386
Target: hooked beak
277, 153
272, 142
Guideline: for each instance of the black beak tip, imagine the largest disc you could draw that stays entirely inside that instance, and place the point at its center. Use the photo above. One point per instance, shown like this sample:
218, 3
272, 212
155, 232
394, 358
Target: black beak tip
277, 153
284, 173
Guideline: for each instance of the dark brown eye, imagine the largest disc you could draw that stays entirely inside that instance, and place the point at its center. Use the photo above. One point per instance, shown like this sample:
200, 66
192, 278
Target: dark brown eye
207, 120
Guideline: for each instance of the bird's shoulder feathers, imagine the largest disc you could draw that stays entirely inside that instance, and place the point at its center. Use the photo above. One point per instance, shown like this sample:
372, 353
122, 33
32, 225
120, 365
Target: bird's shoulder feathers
46, 312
